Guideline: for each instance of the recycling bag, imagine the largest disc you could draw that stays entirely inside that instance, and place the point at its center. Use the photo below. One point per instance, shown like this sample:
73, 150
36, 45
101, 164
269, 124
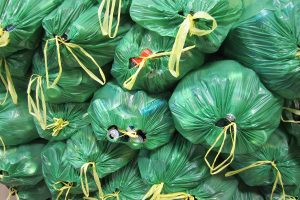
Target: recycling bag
21, 165
173, 169
244, 192
20, 23
193, 23
63, 121
16, 124
291, 117
133, 118
275, 163
13, 71
125, 184
76, 40
141, 61
61, 178
269, 43
219, 106
95, 158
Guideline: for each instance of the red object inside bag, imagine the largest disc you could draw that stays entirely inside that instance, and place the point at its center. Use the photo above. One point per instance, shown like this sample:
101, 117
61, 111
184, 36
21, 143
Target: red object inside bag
144, 53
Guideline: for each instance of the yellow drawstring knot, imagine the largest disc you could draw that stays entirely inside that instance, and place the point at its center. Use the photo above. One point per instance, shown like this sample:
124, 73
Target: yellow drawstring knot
4, 37
113, 195
293, 111
217, 169
154, 192
106, 25
66, 186
58, 125
129, 133
35, 109
12, 192
70, 46
188, 26
8, 83
260, 163
85, 183
128, 84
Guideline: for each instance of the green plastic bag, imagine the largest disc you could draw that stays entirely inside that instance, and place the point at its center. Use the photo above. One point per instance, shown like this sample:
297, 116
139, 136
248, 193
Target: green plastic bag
269, 43
166, 17
13, 72
36, 192
64, 120
154, 76
78, 40
173, 169
244, 192
20, 23
21, 165
95, 158
133, 118
215, 187
60, 177
274, 160
16, 124
126, 184
221, 101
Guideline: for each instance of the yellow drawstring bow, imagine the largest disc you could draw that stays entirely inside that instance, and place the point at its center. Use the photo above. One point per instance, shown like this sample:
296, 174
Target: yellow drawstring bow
66, 186
128, 84
217, 169
155, 194
106, 25
294, 111
260, 163
188, 26
69, 47
8, 83
84, 181
35, 109
12, 192
131, 133
4, 37
58, 125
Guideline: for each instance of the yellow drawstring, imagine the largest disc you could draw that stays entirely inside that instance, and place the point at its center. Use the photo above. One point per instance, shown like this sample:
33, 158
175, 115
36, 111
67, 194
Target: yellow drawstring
58, 125
8, 83
69, 47
188, 26
106, 25
66, 186
4, 37
298, 53
177, 195
131, 133
294, 111
84, 181
128, 84
288, 197
3, 146
12, 192
260, 163
34, 107
154, 192
113, 195
217, 169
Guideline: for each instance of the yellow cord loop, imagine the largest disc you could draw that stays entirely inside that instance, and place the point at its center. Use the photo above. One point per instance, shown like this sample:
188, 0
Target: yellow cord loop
57, 125
261, 163
66, 187
3, 146
70, 46
4, 37
36, 109
154, 192
130, 133
114, 195
129, 83
84, 180
12, 192
293, 111
188, 26
8, 83
106, 25
233, 133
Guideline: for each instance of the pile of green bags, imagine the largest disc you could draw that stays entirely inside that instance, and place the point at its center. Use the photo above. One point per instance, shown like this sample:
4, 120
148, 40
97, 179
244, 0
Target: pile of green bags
150, 99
